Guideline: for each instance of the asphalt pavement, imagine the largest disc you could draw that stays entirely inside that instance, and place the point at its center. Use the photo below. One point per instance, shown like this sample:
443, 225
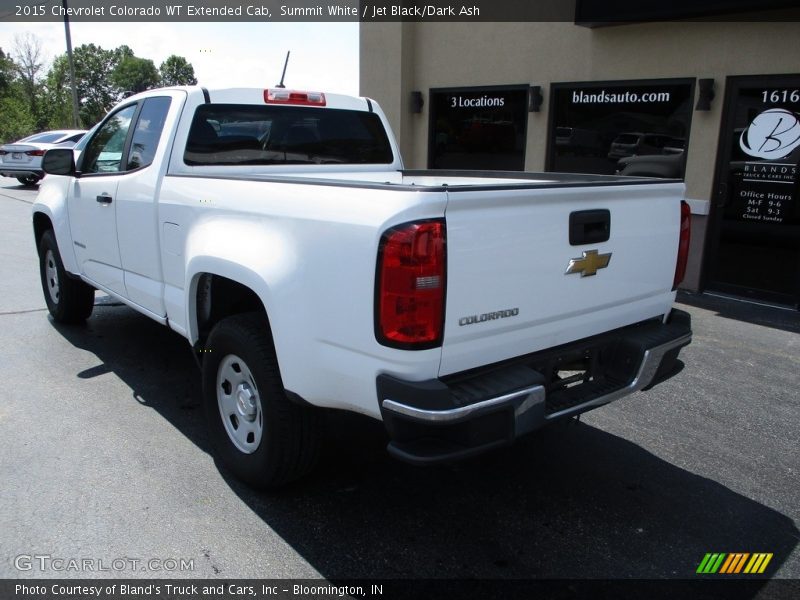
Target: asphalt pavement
103, 454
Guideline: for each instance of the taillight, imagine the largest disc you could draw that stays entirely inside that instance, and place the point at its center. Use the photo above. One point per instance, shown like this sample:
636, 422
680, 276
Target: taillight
282, 96
683, 244
35, 153
409, 299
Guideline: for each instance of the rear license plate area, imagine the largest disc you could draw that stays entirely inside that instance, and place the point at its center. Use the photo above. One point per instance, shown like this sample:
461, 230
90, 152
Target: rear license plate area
574, 378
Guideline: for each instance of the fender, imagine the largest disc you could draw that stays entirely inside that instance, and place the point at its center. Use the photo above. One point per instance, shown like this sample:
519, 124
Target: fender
215, 265
52, 201
257, 254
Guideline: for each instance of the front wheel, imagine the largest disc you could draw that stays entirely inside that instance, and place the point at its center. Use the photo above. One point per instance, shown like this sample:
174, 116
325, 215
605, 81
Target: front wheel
69, 300
264, 438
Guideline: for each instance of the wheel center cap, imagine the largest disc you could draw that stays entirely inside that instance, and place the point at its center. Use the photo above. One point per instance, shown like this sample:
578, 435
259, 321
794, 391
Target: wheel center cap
246, 401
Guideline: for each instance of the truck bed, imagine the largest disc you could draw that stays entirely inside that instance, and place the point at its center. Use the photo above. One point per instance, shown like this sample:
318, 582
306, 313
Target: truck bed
424, 179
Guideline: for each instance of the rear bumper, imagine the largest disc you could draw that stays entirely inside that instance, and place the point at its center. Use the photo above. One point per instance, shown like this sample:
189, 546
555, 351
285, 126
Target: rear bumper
7, 171
462, 415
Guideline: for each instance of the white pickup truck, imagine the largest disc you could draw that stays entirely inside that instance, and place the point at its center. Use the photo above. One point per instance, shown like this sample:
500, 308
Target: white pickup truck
279, 233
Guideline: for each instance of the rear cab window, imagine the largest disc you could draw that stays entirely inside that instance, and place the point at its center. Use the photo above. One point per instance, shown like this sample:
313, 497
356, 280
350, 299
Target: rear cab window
148, 132
235, 134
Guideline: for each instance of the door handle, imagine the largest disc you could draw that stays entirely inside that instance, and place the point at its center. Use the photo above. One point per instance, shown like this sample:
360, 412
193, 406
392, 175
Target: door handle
104, 199
589, 226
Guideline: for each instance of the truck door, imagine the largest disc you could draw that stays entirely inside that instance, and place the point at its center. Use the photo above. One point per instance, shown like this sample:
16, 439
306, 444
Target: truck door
137, 202
91, 203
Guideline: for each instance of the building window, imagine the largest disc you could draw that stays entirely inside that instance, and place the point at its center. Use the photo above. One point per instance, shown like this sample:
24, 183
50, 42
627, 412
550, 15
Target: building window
626, 127
480, 128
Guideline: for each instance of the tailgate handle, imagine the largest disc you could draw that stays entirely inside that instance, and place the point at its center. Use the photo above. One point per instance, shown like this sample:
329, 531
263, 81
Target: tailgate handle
589, 226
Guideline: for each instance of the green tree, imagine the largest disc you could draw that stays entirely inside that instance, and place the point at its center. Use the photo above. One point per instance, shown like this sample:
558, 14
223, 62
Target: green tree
96, 90
28, 63
102, 77
177, 71
6, 72
135, 74
16, 120
57, 105
123, 51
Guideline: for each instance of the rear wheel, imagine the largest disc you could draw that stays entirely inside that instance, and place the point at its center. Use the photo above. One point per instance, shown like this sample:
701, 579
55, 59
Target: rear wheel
258, 433
69, 300
29, 180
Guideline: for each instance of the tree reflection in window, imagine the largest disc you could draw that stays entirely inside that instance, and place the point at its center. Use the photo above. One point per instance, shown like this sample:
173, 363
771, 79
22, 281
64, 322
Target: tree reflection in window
148, 130
104, 152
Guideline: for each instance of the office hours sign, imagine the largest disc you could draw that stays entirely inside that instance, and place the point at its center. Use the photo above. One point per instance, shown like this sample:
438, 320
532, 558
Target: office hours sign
765, 157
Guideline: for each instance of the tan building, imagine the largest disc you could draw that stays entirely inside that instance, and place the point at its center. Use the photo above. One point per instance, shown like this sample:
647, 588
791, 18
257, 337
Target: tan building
715, 102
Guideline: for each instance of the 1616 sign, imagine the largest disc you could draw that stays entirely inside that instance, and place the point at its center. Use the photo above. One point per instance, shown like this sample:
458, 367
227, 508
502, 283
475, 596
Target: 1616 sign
780, 96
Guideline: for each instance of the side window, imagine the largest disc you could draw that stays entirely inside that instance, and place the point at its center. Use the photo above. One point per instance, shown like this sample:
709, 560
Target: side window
147, 132
103, 154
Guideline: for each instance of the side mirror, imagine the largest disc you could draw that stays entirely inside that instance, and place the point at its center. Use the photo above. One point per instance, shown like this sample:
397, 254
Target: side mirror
59, 161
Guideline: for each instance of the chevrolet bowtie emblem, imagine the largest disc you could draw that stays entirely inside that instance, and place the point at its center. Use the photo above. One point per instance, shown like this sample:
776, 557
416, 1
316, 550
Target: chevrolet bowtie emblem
588, 264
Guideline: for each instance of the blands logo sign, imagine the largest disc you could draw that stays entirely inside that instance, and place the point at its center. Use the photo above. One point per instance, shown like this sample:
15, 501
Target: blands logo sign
734, 563
772, 135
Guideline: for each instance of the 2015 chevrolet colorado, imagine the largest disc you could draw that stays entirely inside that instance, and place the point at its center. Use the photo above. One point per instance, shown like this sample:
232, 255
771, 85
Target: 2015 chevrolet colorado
279, 233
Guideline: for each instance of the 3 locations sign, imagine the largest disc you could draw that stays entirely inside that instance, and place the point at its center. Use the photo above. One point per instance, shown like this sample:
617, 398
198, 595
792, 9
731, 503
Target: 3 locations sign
478, 128
632, 127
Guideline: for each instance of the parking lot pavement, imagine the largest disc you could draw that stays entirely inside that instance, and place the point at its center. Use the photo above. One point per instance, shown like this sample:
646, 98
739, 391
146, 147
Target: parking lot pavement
103, 454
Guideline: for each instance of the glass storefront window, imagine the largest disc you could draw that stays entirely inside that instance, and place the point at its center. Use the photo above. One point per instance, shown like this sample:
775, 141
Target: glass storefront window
754, 245
478, 128
625, 127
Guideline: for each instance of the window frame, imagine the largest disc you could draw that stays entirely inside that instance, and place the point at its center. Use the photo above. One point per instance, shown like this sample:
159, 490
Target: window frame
125, 146
92, 134
132, 132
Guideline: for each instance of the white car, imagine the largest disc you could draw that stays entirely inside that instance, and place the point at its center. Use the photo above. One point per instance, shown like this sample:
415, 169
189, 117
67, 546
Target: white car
23, 159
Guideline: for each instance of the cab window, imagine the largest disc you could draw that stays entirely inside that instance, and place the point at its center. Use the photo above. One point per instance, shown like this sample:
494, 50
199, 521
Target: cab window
104, 152
147, 132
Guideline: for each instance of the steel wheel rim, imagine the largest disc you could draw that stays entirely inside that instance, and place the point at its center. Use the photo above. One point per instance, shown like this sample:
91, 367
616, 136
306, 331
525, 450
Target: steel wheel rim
51, 273
239, 404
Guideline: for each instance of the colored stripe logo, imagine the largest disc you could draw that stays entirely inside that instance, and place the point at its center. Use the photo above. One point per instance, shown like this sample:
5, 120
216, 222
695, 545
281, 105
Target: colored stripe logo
734, 563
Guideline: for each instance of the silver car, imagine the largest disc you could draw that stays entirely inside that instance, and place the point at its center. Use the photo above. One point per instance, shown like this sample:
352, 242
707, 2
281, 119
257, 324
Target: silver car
23, 159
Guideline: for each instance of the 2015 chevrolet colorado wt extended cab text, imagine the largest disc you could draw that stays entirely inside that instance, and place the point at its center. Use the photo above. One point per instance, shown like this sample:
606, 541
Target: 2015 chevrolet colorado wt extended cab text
279, 233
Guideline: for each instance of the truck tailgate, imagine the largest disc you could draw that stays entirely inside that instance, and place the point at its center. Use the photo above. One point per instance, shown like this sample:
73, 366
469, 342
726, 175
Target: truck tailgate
509, 292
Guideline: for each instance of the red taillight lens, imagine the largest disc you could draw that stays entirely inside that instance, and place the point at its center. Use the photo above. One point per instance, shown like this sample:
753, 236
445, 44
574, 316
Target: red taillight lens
35, 153
283, 96
411, 286
683, 244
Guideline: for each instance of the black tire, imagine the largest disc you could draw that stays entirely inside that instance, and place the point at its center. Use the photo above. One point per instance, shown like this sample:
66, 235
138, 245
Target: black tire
30, 180
68, 299
289, 443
